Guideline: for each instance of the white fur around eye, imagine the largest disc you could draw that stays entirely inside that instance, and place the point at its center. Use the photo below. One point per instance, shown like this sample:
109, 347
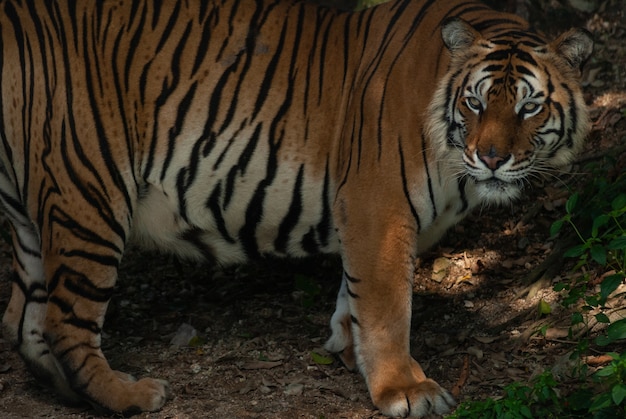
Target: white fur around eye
528, 108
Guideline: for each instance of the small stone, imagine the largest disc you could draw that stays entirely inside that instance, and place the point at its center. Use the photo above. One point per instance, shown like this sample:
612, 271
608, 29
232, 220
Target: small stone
294, 389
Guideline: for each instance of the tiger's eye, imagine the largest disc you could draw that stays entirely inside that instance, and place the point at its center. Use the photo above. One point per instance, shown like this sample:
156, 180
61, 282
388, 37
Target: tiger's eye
530, 107
474, 104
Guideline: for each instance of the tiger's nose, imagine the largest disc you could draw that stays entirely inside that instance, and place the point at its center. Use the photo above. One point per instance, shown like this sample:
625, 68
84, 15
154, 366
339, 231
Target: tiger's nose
492, 160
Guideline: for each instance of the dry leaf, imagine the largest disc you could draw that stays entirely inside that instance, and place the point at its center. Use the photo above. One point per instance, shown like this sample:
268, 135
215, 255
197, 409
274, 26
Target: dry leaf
260, 365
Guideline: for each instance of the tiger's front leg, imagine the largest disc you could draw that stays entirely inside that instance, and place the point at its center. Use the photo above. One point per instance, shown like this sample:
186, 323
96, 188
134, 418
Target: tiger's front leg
371, 326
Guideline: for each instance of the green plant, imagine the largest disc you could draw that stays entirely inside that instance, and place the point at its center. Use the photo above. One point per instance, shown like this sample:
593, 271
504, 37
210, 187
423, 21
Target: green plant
308, 289
612, 379
605, 242
539, 400
596, 219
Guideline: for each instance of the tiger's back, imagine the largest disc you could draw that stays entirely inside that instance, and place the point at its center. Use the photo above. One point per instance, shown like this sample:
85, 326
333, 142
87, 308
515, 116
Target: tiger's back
235, 130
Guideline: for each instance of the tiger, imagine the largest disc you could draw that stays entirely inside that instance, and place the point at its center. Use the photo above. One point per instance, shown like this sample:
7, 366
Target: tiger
236, 130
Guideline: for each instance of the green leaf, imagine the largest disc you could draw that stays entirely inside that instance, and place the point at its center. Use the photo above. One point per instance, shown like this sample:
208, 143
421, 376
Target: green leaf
577, 318
601, 402
598, 254
618, 393
544, 308
619, 203
610, 284
605, 371
525, 411
575, 251
321, 359
580, 399
571, 203
618, 243
599, 221
603, 341
602, 318
556, 227
617, 330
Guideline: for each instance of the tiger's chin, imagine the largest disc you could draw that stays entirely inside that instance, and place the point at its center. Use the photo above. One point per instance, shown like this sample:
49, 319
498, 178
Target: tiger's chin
498, 192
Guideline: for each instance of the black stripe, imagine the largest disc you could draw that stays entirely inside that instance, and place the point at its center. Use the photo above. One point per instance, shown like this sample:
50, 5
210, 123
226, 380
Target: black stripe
133, 43
290, 220
569, 141
462, 194
183, 107
213, 204
104, 260
203, 45
309, 242
350, 278
94, 196
241, 166
188, 174
480, 23
352, 294
58, 216
270, 74
324, 226
430, 181
405, 187
103, 139
79, 284
169, 27
194, 236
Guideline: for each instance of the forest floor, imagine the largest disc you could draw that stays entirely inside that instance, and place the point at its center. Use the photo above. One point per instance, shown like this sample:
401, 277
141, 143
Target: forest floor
259, 327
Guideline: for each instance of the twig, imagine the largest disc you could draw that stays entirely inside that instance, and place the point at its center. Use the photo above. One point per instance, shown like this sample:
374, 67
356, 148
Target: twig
465, 370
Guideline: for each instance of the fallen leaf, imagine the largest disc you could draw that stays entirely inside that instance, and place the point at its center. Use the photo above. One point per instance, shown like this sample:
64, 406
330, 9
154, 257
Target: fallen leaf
260, 365
184, 335
440, 269
557, 333
486, 339
474, 351
321, 359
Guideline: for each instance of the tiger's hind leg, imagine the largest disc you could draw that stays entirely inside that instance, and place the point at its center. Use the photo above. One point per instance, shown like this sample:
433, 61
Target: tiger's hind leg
80, 265
23, 321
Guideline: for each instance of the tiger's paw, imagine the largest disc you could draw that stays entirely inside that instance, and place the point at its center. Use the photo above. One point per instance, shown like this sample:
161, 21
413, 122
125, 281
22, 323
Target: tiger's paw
423, 398
153, 394
145, 395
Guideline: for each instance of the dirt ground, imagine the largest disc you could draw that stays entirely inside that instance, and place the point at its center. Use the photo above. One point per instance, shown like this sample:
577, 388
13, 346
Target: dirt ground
259, 329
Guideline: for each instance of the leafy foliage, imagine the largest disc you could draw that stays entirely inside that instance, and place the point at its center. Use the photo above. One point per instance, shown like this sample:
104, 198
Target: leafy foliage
596, 216
519, 401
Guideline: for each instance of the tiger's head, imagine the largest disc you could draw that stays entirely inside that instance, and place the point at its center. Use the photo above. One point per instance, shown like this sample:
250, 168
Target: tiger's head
509, 106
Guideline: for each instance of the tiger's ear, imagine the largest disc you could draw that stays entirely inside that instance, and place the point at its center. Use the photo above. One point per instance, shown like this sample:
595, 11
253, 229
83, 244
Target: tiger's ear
458, 34
575, 45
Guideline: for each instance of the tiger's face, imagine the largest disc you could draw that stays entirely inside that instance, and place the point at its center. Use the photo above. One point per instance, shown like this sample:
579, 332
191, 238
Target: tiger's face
511, 110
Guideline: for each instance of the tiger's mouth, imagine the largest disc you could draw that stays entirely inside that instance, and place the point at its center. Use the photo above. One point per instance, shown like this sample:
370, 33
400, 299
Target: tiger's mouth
498, 191
494, 183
